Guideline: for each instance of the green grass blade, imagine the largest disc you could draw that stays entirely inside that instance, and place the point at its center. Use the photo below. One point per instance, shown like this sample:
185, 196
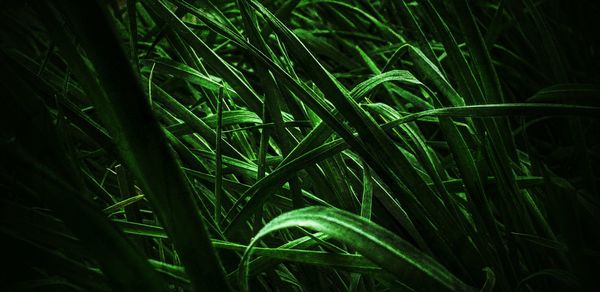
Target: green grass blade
377, 244
126, 112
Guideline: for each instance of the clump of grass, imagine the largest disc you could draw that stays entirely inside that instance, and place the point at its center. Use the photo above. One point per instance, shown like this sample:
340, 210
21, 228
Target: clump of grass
303, 145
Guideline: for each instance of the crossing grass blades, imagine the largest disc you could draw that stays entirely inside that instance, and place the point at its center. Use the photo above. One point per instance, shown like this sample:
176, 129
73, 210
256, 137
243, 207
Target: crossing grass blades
315, 145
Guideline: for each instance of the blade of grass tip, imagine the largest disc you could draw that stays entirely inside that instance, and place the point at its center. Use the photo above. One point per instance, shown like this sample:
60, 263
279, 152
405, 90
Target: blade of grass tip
375, 70
235, 117
122, 204
219, 159
369, 87
127, 190
395, 57
374, 242
490, 280
123, 106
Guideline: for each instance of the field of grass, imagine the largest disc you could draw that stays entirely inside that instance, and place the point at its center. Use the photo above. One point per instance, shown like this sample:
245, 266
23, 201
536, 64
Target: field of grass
299, 145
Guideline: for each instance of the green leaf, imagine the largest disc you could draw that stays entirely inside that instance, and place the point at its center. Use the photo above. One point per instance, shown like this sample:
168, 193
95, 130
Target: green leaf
376, 243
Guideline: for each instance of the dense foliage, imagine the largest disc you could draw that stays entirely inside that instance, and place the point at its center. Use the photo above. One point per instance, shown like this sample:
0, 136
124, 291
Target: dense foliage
314, 145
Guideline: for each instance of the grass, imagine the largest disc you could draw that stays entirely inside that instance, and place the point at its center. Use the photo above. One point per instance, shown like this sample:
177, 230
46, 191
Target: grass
299, 145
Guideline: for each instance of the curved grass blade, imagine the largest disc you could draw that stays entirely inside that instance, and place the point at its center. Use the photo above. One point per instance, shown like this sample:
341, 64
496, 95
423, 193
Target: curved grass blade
374, 242
260, 191
576, 94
